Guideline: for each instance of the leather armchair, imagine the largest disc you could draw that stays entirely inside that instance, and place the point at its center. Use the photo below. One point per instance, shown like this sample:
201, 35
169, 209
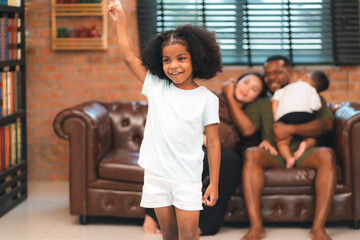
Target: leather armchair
105, 180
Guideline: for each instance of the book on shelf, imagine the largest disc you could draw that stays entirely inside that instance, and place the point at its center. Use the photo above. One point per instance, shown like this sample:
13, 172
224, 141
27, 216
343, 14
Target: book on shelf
1, 94
10, 37
6, 39
15, 92
10, 97
2, 163
12, 32
13, 144
4, 94
18, 37
18, 140
2, 33
6, 147
10, 144
9, 85
13, 37
11, 3
2, 39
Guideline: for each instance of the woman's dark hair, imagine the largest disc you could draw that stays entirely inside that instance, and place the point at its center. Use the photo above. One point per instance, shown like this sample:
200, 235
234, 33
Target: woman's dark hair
201, 44
261, 77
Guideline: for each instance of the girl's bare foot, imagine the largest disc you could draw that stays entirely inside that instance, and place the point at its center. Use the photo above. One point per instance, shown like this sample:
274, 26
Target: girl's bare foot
302, 148
254, 233
150, 226
319, 234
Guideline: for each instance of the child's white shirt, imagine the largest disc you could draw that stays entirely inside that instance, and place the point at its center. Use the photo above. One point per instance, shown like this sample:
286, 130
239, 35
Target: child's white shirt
298, 96
173, 135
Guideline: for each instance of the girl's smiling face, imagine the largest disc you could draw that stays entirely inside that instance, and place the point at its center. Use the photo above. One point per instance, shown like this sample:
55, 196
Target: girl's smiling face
248, 88
177, 65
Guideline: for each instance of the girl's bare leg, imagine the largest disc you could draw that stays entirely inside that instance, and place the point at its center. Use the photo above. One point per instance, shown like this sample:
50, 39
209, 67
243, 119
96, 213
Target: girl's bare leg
150, 226
188, 224
167, 220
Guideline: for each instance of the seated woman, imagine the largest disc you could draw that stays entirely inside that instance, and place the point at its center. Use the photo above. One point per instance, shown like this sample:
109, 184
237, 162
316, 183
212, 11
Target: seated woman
233, 126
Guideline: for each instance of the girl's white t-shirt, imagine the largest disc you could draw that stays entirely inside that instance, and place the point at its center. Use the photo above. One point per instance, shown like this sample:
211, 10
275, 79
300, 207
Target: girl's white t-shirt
173, 135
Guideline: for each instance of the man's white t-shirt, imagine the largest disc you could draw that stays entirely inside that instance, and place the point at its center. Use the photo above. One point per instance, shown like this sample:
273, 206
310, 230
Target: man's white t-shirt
173, 135
298, 96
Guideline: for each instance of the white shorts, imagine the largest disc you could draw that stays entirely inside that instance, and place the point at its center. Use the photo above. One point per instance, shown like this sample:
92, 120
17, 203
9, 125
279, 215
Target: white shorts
161, 192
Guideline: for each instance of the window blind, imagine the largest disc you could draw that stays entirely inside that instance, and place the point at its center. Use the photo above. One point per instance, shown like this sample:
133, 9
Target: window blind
248, 31
346, 32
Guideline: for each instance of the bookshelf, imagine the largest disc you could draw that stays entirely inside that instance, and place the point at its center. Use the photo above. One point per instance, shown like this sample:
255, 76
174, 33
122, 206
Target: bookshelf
27, 33
13, 163
69, 12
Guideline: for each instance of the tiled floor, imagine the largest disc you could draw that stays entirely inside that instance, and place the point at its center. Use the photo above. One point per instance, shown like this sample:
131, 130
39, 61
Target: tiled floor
45, 215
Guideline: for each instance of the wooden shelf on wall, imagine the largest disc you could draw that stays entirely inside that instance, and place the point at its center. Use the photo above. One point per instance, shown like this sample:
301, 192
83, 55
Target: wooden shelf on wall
78, 9
79, 43
71, 10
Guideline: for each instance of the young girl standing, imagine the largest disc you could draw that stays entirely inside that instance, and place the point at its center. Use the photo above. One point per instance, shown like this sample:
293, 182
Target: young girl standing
178, 113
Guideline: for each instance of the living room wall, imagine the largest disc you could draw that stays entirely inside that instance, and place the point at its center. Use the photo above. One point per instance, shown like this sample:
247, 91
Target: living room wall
60, 79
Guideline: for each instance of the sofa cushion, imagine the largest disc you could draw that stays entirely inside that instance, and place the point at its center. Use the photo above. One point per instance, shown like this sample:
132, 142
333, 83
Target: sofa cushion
293, 176
120, 164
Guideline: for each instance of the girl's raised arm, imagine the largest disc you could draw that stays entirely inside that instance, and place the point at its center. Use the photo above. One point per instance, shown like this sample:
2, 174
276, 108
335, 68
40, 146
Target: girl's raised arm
127, 53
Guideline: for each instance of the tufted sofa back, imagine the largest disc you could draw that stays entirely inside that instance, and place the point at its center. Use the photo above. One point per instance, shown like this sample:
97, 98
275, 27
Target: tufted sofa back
111, 134
127, 124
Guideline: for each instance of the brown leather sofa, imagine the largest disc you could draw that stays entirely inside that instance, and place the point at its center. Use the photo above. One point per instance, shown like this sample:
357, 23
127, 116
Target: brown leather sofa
105, 180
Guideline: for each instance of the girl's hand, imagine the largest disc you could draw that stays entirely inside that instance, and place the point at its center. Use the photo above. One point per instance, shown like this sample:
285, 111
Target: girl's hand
267, 146
212, 193
115, 9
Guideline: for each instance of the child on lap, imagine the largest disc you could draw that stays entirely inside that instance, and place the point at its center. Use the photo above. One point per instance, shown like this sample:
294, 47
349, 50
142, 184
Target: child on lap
295, 104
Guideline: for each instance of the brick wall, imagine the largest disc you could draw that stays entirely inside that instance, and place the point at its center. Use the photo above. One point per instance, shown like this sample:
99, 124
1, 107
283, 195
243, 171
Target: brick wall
60, 79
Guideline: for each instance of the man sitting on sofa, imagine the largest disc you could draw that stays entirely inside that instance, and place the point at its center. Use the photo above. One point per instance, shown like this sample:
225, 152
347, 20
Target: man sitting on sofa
278, 73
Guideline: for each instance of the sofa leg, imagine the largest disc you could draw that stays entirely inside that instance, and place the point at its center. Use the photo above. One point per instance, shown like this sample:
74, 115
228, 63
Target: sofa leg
355, 224
83, 220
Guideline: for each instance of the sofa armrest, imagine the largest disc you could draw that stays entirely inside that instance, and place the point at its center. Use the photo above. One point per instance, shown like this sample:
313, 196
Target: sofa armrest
347, 142
87, 128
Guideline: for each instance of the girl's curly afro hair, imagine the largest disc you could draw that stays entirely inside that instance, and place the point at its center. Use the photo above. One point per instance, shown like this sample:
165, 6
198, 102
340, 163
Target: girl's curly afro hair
201, 44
